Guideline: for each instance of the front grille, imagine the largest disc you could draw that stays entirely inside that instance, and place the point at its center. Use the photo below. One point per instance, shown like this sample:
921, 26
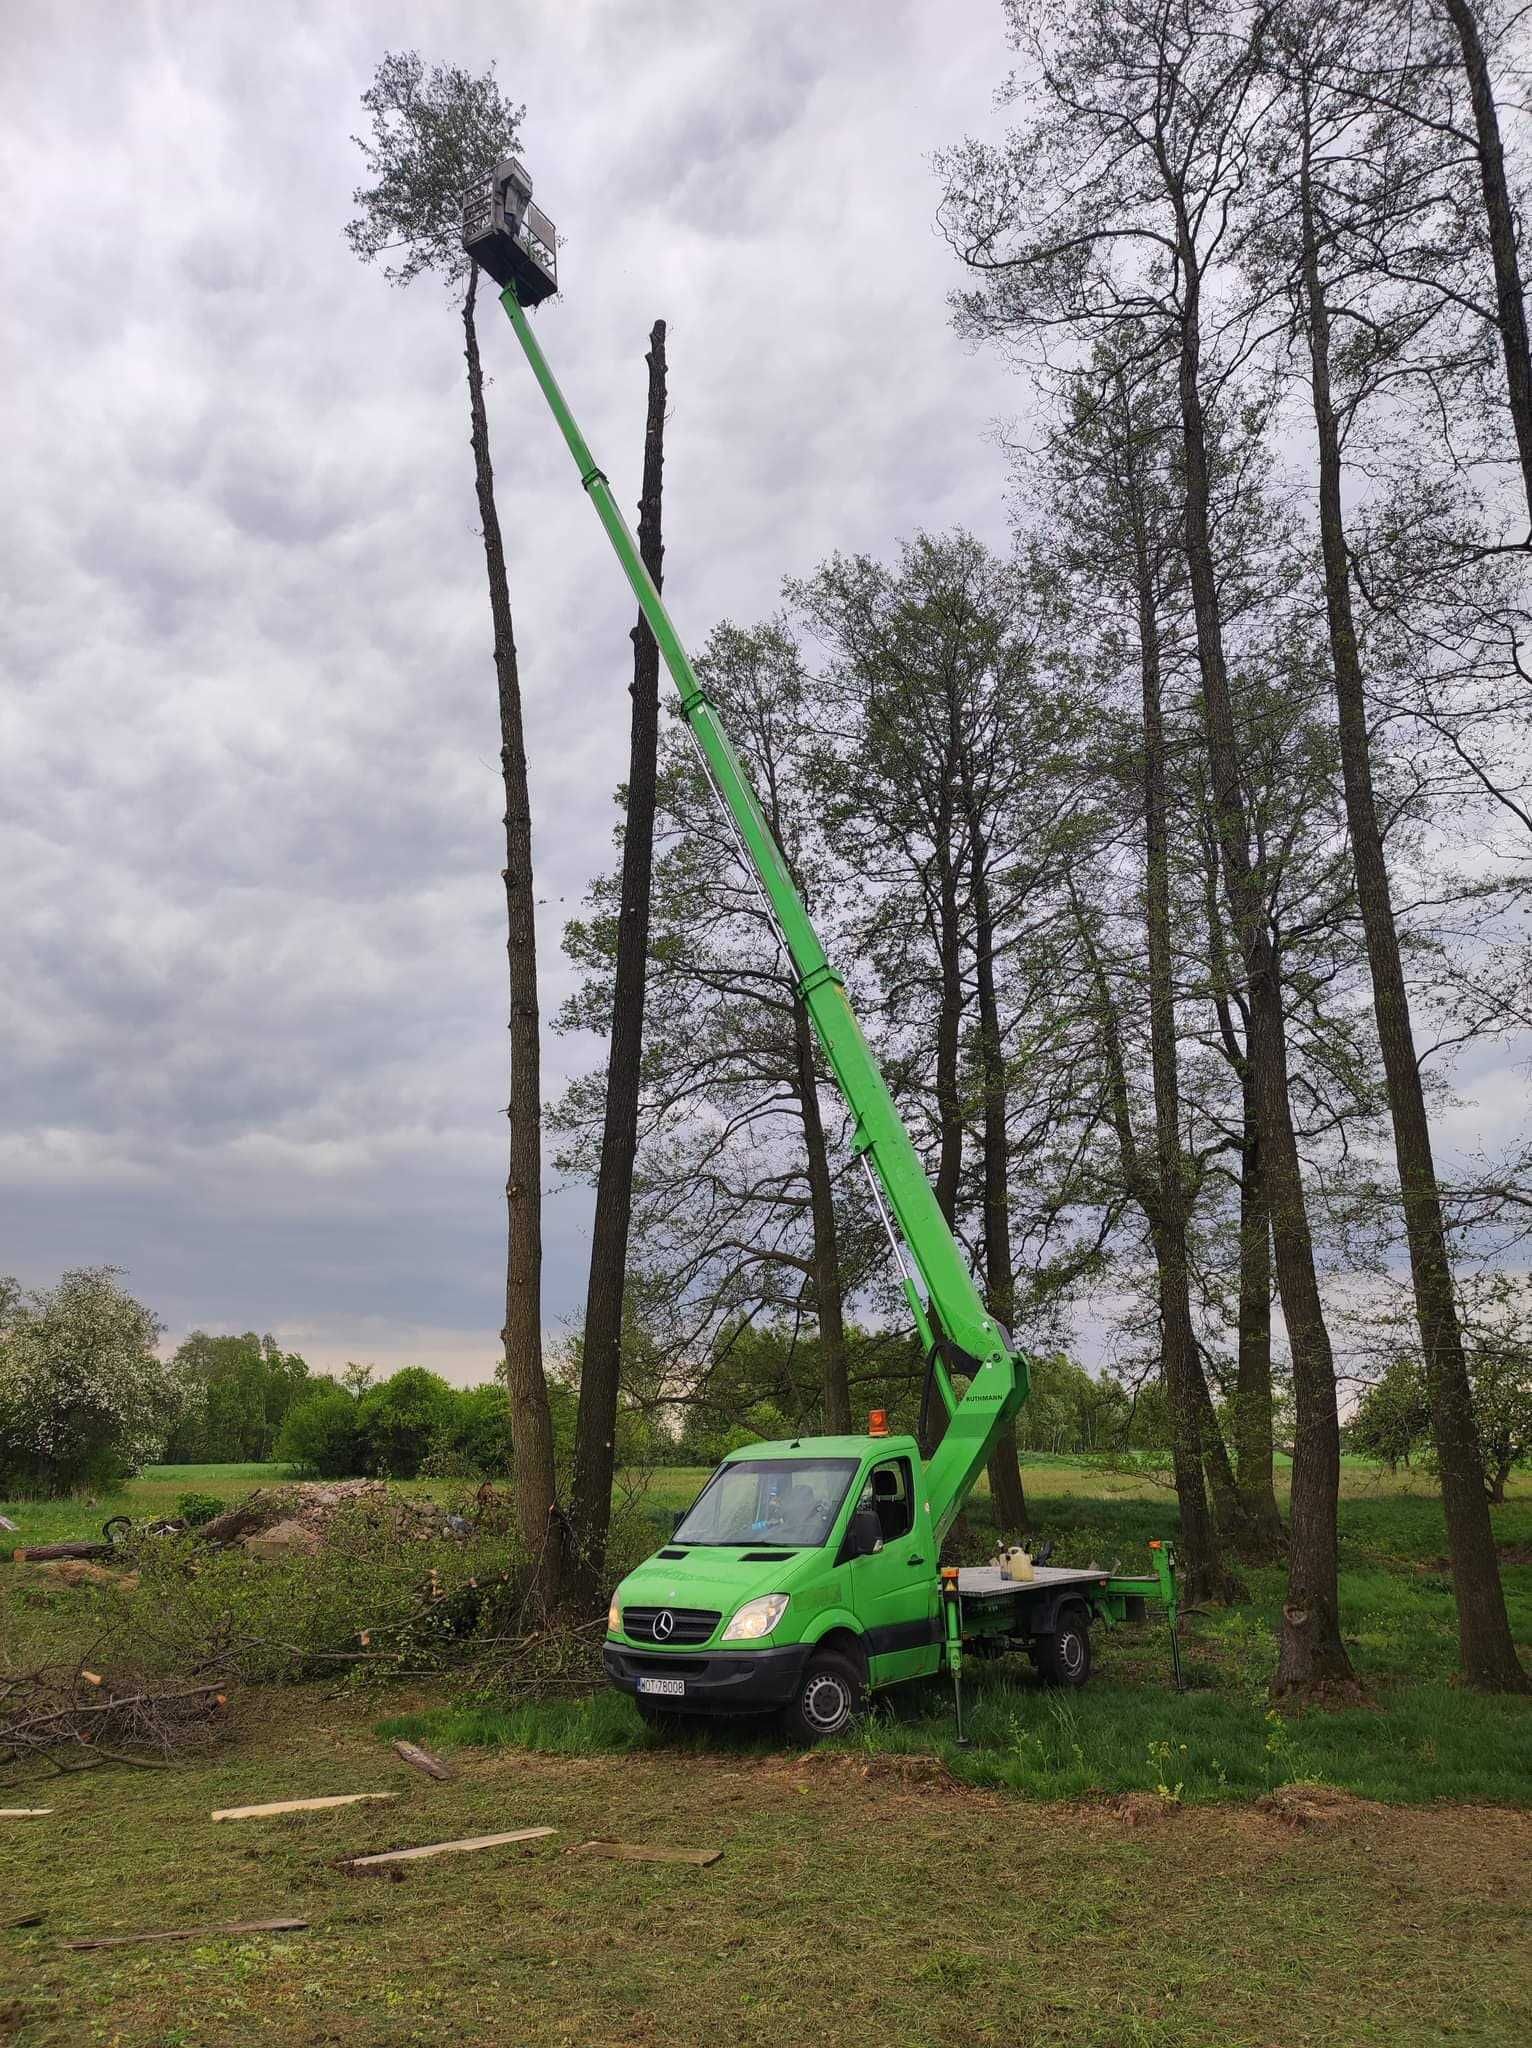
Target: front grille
667, 1625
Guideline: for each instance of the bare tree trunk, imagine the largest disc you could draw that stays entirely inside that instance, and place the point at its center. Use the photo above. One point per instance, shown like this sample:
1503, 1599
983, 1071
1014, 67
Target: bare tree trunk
601, 1364
1197, 1449
1311, 1653
1510, 301
537, 1515
829, 1306
949, 1102
1486, 1647
1006, 1492
1252, 1428
1203, 1572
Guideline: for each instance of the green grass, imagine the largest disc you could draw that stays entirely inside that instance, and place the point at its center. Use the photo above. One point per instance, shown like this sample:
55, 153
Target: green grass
858, 1900
1418, 1737
1141, 1892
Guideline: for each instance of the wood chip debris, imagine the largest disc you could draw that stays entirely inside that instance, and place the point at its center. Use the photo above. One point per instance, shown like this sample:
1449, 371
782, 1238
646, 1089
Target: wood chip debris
297, 1805
641, 1852
423, 1760
193, 1933
447, 1848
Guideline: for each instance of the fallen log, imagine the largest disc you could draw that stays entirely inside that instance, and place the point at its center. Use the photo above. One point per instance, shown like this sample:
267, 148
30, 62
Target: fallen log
41, 1553
447, 1848
255, 1513
423, 1760
192, 1933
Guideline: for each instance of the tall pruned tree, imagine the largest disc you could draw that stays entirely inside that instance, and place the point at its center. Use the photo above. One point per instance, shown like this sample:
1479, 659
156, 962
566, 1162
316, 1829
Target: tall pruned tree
590, 1499
431, 133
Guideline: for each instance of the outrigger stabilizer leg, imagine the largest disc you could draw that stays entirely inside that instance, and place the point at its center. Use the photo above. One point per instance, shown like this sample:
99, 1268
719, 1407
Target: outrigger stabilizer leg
952, 1620
1165, 1572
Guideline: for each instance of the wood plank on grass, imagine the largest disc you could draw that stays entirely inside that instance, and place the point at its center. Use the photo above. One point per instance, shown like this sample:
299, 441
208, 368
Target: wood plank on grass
297, 1805
24, 1812
448, 1848
192, 1933
641, 1852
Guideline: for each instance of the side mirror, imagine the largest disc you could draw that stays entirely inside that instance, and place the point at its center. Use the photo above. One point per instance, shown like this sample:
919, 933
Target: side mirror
677, 1518
865, 1534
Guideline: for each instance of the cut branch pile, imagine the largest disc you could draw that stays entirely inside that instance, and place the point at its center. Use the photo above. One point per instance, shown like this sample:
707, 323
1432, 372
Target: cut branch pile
69, 1718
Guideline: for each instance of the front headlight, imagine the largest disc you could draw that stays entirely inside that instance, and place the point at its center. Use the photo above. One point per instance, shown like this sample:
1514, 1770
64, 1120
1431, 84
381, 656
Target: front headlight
614, 1618
756, 1618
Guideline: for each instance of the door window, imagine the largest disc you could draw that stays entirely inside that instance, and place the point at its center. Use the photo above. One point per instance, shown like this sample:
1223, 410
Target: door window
891, 1496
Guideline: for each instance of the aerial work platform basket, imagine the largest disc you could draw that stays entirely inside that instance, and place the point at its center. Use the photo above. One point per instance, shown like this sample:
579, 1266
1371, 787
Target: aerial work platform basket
510, 237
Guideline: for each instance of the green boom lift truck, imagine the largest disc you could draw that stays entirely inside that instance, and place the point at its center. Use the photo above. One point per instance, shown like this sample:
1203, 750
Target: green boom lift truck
807, 1574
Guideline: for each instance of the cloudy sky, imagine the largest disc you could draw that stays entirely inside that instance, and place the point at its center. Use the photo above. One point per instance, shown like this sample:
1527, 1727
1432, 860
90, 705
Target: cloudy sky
253, 991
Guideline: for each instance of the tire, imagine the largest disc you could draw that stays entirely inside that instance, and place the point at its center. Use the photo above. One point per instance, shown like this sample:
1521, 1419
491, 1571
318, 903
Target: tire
1063, 1658
830, 1693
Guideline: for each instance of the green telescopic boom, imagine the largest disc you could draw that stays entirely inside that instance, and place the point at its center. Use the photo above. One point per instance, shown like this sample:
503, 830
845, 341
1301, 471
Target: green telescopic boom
1000, 1374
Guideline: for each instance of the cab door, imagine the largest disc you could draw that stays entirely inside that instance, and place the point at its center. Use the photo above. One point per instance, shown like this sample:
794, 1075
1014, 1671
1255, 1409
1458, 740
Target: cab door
894, 1591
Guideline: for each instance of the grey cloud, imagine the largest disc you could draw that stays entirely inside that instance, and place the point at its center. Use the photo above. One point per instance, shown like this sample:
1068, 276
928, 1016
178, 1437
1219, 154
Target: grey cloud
253, 997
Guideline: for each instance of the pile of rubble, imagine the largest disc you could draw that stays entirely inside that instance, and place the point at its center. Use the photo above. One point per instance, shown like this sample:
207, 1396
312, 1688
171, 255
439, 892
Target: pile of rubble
277, 1521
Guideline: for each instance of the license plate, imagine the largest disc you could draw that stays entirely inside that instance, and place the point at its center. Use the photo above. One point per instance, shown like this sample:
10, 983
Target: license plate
671, 1688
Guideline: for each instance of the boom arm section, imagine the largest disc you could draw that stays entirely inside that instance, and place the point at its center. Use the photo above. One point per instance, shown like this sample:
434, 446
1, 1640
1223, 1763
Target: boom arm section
1000, 1374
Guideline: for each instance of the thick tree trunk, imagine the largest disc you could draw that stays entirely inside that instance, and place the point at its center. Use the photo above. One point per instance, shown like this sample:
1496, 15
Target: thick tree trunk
1486, 1647
1254, 1451
537, 1515
829, 1307
601, 1364
1311, 1654
1510, 301
1006, 1493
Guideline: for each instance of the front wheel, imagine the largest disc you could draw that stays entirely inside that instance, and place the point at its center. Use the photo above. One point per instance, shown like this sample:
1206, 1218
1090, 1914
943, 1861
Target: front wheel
1064, 1657
828, 1697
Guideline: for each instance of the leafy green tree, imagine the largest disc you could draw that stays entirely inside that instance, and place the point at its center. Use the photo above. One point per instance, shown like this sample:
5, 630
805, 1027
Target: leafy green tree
322, 1435
84, 1395
1394, 1423
239, 1390
400, 1418
474, 1440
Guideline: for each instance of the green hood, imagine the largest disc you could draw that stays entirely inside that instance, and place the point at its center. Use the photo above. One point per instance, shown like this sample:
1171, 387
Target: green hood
719, 1577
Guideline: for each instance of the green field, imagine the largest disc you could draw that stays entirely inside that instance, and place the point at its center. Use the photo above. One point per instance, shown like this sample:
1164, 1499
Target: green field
1065, 1879
858, 1900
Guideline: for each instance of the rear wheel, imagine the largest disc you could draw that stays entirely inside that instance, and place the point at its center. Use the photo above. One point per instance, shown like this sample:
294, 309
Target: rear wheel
1063, 1658
829, 1695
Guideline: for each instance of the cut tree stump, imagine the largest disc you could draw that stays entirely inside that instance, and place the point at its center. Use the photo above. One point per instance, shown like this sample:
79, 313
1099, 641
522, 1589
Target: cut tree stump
297, 1805
193, 1933
640, 1852
447, 1848
423, 1760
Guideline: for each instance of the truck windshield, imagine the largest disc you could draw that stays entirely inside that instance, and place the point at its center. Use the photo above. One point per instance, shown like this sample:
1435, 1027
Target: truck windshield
790, 1503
